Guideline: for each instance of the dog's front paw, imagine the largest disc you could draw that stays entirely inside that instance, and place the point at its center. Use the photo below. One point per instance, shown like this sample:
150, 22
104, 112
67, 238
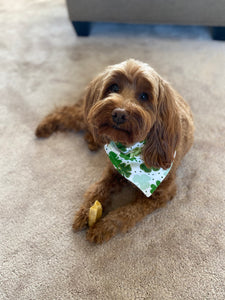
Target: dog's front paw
81, 220
45, 129
102, 231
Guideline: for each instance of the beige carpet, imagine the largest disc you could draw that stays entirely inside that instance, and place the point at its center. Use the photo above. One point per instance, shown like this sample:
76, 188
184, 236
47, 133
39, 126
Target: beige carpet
177, 252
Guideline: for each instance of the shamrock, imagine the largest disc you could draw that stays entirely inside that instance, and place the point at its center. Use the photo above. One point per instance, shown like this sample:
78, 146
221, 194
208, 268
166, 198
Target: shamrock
125, 170
154, 187
121, 147
155, 169
135, 152
127, 156
114, 159
145, 169
122, 168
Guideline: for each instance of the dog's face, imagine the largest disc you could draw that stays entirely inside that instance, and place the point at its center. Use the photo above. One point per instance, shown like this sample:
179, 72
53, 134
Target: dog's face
125, 104
125, 108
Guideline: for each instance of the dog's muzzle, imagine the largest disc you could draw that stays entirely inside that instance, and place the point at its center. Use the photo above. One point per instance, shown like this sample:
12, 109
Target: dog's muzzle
119, 116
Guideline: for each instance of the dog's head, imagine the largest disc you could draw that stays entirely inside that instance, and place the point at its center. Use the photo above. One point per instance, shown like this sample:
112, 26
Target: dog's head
129, 103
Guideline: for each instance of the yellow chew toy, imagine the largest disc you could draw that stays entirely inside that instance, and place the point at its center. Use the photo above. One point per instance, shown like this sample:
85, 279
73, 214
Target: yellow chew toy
95, 213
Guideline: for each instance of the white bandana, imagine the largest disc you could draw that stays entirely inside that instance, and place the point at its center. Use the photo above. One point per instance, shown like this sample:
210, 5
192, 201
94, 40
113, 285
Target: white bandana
129, 163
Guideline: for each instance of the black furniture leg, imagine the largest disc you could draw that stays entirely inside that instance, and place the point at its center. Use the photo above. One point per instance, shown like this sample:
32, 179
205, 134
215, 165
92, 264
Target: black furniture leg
82, 28
218, 33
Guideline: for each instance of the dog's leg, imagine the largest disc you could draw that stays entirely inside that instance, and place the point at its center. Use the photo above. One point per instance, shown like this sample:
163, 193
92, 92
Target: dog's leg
66, 118
110, 181
124, 218
62, 119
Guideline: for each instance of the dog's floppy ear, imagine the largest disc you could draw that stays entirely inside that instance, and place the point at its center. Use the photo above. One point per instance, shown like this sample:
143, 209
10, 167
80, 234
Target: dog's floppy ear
93, 92
164, 135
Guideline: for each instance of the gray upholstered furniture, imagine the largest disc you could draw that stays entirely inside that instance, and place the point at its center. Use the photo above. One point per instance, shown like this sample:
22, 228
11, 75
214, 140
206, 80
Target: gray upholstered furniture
181, 12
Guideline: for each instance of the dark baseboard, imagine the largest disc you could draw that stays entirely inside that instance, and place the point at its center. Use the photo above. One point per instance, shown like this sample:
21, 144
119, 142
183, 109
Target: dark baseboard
82, 28
218, 33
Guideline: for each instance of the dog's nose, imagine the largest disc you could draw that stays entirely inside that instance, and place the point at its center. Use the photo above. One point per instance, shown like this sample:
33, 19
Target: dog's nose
119, 115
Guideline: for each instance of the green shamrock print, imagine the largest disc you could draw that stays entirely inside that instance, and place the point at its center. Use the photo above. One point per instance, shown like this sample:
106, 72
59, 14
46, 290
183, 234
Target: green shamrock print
121, 147
154, 187
114, 159
155, 169
122, 168
145, 169
125, 170
129, 163
127, 157
135, 152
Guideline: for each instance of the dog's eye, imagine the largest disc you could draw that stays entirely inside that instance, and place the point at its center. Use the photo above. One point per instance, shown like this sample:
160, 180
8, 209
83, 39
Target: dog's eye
143, 97
114, 88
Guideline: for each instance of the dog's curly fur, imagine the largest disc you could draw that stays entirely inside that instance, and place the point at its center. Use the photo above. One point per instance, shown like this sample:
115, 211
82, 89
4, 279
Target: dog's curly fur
151, 110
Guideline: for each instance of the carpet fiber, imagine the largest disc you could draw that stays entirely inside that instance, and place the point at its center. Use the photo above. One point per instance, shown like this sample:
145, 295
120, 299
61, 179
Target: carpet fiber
177, 252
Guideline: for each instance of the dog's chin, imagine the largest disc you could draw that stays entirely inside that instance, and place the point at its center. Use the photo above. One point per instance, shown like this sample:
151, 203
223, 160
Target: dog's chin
117, 134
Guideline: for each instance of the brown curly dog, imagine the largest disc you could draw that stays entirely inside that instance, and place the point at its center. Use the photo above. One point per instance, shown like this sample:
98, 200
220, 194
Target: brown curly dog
127, 103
